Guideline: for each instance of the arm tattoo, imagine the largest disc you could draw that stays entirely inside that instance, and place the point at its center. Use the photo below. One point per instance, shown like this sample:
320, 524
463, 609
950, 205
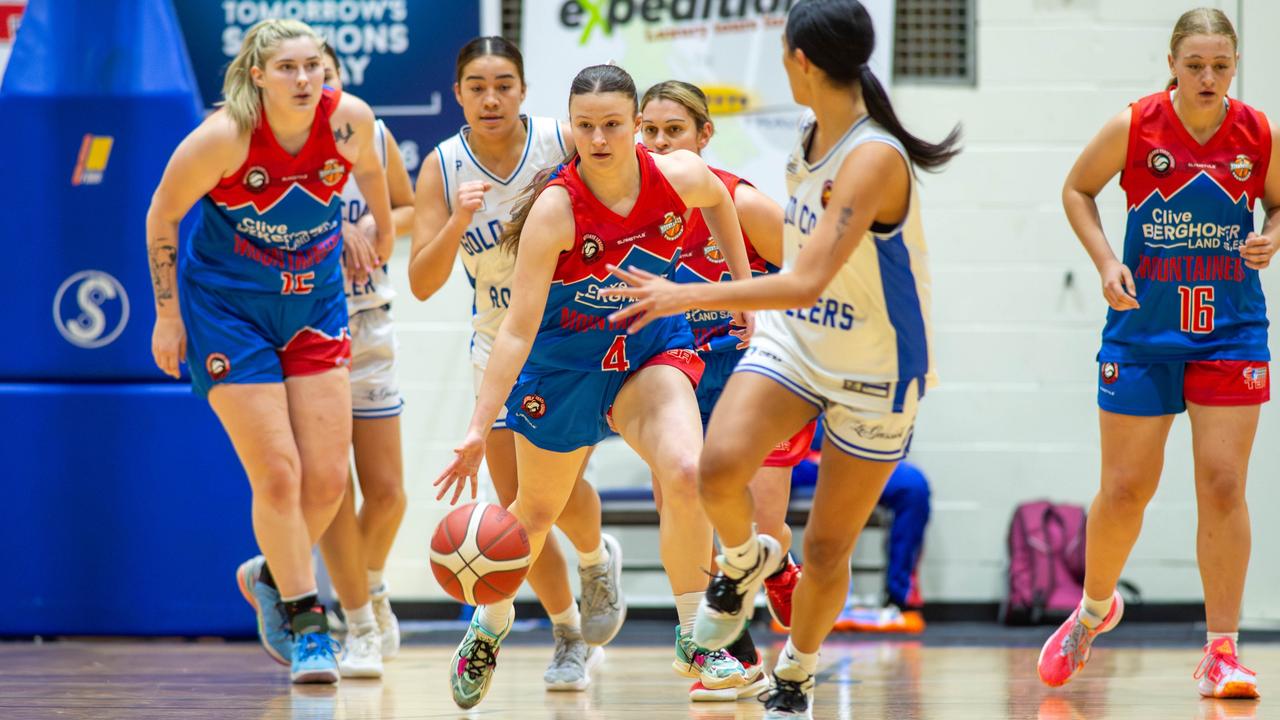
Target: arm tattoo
842, 225
344, 134
164, 258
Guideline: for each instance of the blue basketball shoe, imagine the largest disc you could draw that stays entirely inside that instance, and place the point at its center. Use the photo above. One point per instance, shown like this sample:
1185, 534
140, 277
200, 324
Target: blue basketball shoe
273, 624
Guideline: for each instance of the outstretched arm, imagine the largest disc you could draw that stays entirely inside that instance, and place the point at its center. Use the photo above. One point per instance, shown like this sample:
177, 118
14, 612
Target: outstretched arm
547, 232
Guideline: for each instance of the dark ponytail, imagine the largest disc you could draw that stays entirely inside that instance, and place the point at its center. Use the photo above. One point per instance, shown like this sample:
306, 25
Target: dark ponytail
593, 80
837, 36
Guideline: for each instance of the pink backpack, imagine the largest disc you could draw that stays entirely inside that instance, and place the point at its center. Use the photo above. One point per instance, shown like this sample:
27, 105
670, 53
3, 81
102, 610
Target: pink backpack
1046, 563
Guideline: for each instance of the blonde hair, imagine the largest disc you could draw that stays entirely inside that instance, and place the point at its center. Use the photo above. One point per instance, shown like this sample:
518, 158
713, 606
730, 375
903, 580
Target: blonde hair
241, 98
1200, 21
687, 95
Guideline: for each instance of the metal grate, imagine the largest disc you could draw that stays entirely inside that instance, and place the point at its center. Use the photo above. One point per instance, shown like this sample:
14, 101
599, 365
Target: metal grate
511, 20
933, 41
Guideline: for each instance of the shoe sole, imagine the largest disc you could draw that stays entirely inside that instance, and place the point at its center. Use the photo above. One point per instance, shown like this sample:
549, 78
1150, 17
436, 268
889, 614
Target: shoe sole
311, 677
241, 582
1103, 628
747, 613
1235, 691
366, 672
616, 576
595, 656
687, 670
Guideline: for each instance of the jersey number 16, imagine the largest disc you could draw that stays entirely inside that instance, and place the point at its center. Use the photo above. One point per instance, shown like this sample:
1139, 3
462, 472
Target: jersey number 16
1197, 309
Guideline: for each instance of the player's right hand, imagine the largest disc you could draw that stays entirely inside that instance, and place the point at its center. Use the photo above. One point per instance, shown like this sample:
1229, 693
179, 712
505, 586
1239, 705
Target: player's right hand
471, 196
465, 467
169, 344
1118, 287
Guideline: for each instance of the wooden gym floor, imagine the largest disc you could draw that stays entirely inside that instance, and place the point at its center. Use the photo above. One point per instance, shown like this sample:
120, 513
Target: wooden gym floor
861, 677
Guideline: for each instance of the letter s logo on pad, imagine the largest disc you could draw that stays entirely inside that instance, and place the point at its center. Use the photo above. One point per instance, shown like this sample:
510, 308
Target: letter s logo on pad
91, 309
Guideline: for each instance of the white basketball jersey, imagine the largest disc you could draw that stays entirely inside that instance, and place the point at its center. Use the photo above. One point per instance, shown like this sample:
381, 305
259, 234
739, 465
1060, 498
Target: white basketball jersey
377, 290
871, 324
488, 266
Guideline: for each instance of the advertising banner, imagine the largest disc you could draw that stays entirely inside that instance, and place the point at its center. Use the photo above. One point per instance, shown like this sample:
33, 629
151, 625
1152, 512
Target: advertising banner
732, 49
397, 55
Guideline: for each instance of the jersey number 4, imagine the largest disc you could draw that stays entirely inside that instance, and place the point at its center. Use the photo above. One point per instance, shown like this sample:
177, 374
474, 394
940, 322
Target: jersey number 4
1197, 309
615, 358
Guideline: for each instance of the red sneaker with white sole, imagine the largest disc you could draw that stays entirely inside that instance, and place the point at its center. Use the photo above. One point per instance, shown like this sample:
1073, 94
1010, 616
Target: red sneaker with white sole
778, 589
1067, 650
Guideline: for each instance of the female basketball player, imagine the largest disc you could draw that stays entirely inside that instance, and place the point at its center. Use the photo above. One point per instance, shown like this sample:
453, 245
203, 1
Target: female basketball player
263, 319
466, 190
583, 374
356, 547
1187, 330
853, 340
674, 116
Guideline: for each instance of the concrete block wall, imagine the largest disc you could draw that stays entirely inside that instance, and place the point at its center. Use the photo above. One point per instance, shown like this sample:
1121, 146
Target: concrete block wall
1017, 311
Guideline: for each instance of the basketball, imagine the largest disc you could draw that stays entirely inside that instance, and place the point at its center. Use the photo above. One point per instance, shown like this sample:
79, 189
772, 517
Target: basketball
480, 553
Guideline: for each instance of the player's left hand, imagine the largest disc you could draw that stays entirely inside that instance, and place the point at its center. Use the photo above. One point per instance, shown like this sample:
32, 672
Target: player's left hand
464, 468
654, 297
1258, 251
358, 254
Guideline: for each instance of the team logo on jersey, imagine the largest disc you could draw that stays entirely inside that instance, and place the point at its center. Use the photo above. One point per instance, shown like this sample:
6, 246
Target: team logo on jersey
712, 251
1255, 378
1242, 167
826, 194
256, 179
1110, 372
592, 248
534, 406
672, 226
217, 366
331, 173
1160, 162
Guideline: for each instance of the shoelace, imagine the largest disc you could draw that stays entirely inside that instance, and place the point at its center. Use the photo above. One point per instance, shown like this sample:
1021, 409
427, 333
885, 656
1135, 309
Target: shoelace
318, 645
1208, 660
1076, 643
598, 591
568, 651
482, 657
785, 695
703, 657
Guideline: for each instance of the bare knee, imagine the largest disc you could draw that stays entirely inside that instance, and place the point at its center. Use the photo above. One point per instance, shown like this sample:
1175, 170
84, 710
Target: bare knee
277, 482
384, 496
827, 557
1127, 491
324, 482
721, 471
679, 482
1221, 491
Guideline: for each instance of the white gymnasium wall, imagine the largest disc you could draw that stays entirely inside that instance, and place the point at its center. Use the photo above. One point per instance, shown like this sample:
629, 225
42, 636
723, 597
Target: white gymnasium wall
1017, 311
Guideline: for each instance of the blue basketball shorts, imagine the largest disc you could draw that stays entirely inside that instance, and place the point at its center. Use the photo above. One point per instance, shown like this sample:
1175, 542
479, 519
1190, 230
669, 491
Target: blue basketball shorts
1165, 388
239, 337
563, 410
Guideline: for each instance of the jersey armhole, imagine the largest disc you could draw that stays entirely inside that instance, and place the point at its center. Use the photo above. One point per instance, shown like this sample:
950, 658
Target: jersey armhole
1267, 149
445, 177
884, 229
1130, 144
560, 137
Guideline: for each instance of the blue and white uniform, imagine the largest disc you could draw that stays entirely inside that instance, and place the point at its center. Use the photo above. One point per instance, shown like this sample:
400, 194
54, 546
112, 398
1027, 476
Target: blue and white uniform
862, 352
375, 391
488, 266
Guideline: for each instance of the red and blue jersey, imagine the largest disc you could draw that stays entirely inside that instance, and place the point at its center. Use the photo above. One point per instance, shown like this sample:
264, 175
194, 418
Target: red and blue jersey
576, 332
703, 261
1190, 208
275, 226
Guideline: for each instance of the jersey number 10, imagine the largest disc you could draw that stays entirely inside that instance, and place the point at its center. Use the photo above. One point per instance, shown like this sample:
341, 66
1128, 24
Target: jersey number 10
1197, 309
